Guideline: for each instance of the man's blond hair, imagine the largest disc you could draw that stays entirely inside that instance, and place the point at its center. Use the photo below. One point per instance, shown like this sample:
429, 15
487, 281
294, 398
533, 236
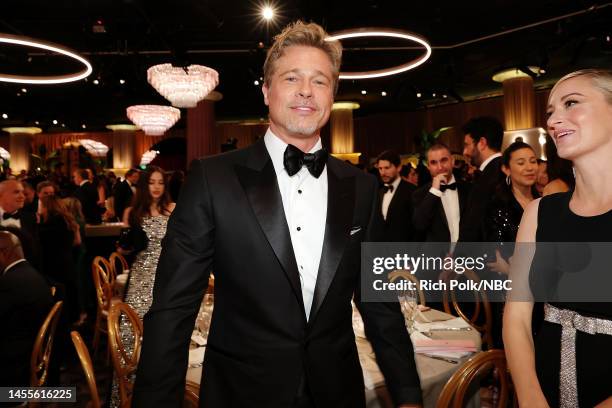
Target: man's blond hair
308, 35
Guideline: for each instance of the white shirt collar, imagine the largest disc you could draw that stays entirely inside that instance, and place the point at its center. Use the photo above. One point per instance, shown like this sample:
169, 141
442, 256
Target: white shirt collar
12, 264
484, 163
83, 182
396, 183
276, 149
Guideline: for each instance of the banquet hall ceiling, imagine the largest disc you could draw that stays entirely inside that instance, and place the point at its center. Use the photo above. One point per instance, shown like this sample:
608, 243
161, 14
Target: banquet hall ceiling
122, 38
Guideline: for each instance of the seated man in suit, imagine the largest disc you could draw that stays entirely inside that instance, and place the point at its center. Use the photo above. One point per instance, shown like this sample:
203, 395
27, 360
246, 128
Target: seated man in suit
396, 199
25, 300
12, 216
482, 143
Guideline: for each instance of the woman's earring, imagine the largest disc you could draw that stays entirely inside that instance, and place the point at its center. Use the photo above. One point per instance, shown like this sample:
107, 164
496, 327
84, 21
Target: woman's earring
508, 181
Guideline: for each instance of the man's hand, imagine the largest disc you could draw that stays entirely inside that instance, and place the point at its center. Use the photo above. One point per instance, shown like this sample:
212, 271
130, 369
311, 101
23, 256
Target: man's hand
438, 181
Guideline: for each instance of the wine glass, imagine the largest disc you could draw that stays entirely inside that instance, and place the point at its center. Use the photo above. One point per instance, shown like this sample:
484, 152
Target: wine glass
409, 306
205, 315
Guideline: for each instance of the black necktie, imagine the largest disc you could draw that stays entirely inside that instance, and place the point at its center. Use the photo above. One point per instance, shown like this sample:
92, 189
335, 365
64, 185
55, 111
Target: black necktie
294, 159
14, 215
388, 188
444, 187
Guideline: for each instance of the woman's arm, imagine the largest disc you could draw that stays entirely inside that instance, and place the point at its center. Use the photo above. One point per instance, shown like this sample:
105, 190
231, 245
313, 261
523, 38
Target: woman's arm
518, 340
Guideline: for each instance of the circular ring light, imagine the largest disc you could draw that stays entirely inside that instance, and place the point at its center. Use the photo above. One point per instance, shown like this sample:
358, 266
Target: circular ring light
383, 32
51, 79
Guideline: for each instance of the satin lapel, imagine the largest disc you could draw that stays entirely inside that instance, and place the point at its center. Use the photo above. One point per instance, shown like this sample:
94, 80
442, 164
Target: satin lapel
340, 205
260, 185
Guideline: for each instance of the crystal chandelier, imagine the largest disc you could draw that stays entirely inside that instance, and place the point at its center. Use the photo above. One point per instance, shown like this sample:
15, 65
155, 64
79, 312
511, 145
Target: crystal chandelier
94, 147
4, 154
148, 157
153, 119
183, 87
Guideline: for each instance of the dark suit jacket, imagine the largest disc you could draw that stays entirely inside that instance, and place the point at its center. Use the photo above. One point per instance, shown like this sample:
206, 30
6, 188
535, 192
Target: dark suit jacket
25, 300
472, 228
88, 196
398, 224
429, 218
123, 197
230, 218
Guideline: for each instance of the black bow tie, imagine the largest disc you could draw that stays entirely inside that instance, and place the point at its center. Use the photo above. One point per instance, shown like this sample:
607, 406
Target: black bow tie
444, 187
388, 188
294, 159
14, 215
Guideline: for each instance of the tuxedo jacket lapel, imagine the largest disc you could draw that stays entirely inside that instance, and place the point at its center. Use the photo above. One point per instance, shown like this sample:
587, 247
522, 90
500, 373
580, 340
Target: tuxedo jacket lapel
258, 179
340, 203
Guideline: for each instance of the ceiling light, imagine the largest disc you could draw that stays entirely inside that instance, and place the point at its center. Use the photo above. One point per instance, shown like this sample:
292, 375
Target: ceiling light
345, 105
183, 87
268, 13
122, 81
4, 116
94, 148
511, 73
383, 32
84, 126
54, 122
155, 120
256, 82
419, 94
433, 94
96, 82
363, 92
445, 96
63, 125
36, 122
51, 79
383, 93
24, 90
4, 154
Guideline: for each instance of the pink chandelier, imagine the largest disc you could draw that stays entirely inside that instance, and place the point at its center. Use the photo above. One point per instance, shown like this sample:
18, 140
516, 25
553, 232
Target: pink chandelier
183, 87
153, 119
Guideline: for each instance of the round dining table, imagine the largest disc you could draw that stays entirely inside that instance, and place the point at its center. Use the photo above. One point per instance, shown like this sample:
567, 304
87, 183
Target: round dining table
433, 372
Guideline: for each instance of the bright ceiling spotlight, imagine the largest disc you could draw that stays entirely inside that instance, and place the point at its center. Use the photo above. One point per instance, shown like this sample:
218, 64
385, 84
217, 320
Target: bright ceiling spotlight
383, 32
268, 13
50, 79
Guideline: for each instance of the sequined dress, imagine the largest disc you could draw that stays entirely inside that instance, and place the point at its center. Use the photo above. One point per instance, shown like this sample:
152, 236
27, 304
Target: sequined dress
140, 285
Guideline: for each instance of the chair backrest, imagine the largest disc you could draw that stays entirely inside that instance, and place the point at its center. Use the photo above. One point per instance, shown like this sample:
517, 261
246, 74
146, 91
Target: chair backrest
125, 354
43, 345
105, 266
494, 361
481, 308
403, 274
104, 289
117, 263
192, 395
85, 359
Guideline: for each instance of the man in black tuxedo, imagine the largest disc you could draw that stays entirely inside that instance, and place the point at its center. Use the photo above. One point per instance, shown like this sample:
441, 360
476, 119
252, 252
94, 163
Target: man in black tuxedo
482, 143
439, 204
25, 300
395, 199
87, 194
13, 217
124, 191
283, 230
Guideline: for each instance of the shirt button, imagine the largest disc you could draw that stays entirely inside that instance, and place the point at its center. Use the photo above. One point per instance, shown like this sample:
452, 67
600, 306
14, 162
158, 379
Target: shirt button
299, 191
299, 228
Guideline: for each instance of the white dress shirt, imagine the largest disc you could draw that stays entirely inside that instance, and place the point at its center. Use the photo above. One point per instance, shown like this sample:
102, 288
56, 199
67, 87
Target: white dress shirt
9, 222
305, 204
450, 203
388, 196
484, 163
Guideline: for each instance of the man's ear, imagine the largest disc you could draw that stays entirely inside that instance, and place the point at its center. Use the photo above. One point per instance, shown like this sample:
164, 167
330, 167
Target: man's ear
265, 90
482, 144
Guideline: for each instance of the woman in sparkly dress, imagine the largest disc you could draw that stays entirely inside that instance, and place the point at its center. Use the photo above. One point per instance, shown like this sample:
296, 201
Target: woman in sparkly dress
149, 213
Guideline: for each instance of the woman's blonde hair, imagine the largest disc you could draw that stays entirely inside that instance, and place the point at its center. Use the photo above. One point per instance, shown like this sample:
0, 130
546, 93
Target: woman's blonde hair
600, 78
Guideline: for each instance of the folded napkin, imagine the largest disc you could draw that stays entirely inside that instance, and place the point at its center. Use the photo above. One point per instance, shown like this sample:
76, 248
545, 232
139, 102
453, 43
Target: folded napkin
443, 348
196, 355
455, 323
358, 328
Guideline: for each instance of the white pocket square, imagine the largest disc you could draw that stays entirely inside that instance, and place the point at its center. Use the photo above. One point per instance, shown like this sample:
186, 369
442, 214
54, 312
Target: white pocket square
355, 230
